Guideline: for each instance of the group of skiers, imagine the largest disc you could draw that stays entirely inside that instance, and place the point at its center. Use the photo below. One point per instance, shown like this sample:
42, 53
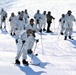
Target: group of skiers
24, 29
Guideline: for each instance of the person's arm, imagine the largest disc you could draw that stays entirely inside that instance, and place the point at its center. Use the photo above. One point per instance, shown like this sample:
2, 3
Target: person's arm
53, 18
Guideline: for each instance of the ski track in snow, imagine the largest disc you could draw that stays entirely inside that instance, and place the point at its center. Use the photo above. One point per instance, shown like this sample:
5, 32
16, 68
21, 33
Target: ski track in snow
58, 56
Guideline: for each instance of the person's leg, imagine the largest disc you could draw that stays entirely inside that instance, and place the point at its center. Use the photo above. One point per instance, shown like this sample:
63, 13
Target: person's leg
19, 51
61, 32
30, 47
70, 33
65, 33
48, 27
1, 24
24, 56
44, 25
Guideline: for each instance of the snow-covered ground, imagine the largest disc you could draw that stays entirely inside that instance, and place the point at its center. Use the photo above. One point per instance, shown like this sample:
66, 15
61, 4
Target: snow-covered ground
58, 57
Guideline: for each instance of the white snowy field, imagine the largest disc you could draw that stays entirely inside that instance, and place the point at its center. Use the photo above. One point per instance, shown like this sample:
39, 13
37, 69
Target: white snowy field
58, 56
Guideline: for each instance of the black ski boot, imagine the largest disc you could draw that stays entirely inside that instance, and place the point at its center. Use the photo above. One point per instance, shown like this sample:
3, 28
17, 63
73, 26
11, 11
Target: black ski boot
11, 34
25, 62
40, 30
70, 37
44, 29
61, 33
49, 31
4, 27
17, 61
29, 51
65, 38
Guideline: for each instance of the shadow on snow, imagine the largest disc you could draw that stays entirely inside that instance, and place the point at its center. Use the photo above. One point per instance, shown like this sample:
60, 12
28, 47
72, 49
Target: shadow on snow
29, 71
36, 60
73, 42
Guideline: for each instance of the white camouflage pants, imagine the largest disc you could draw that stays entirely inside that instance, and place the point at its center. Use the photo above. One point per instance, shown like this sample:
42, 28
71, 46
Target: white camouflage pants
43, 23
22, 50
62, 28
68, 32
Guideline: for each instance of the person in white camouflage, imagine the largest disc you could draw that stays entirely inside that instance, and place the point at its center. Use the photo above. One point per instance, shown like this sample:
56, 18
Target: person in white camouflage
69, 19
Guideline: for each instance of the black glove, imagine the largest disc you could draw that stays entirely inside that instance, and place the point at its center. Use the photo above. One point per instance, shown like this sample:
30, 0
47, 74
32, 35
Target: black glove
24, 28
39, 17
16, 28
9, 19
40, 30
63, 21
16, 40
6, 15
23, 41
33, 35
53, 18
34, 17
60, 20
37, 40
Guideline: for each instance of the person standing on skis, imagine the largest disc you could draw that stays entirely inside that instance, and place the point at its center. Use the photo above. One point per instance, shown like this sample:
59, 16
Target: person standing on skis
12, 21
23, 45
34, 28
43, 20
69, 19
49, 21
26, 16
37, 17
62, 22
3, 14
20, 25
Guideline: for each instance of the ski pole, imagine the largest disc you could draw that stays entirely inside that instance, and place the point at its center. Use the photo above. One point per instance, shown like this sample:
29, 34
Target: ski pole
41, 42
41, 37
58, 35
54, 24
58, 31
